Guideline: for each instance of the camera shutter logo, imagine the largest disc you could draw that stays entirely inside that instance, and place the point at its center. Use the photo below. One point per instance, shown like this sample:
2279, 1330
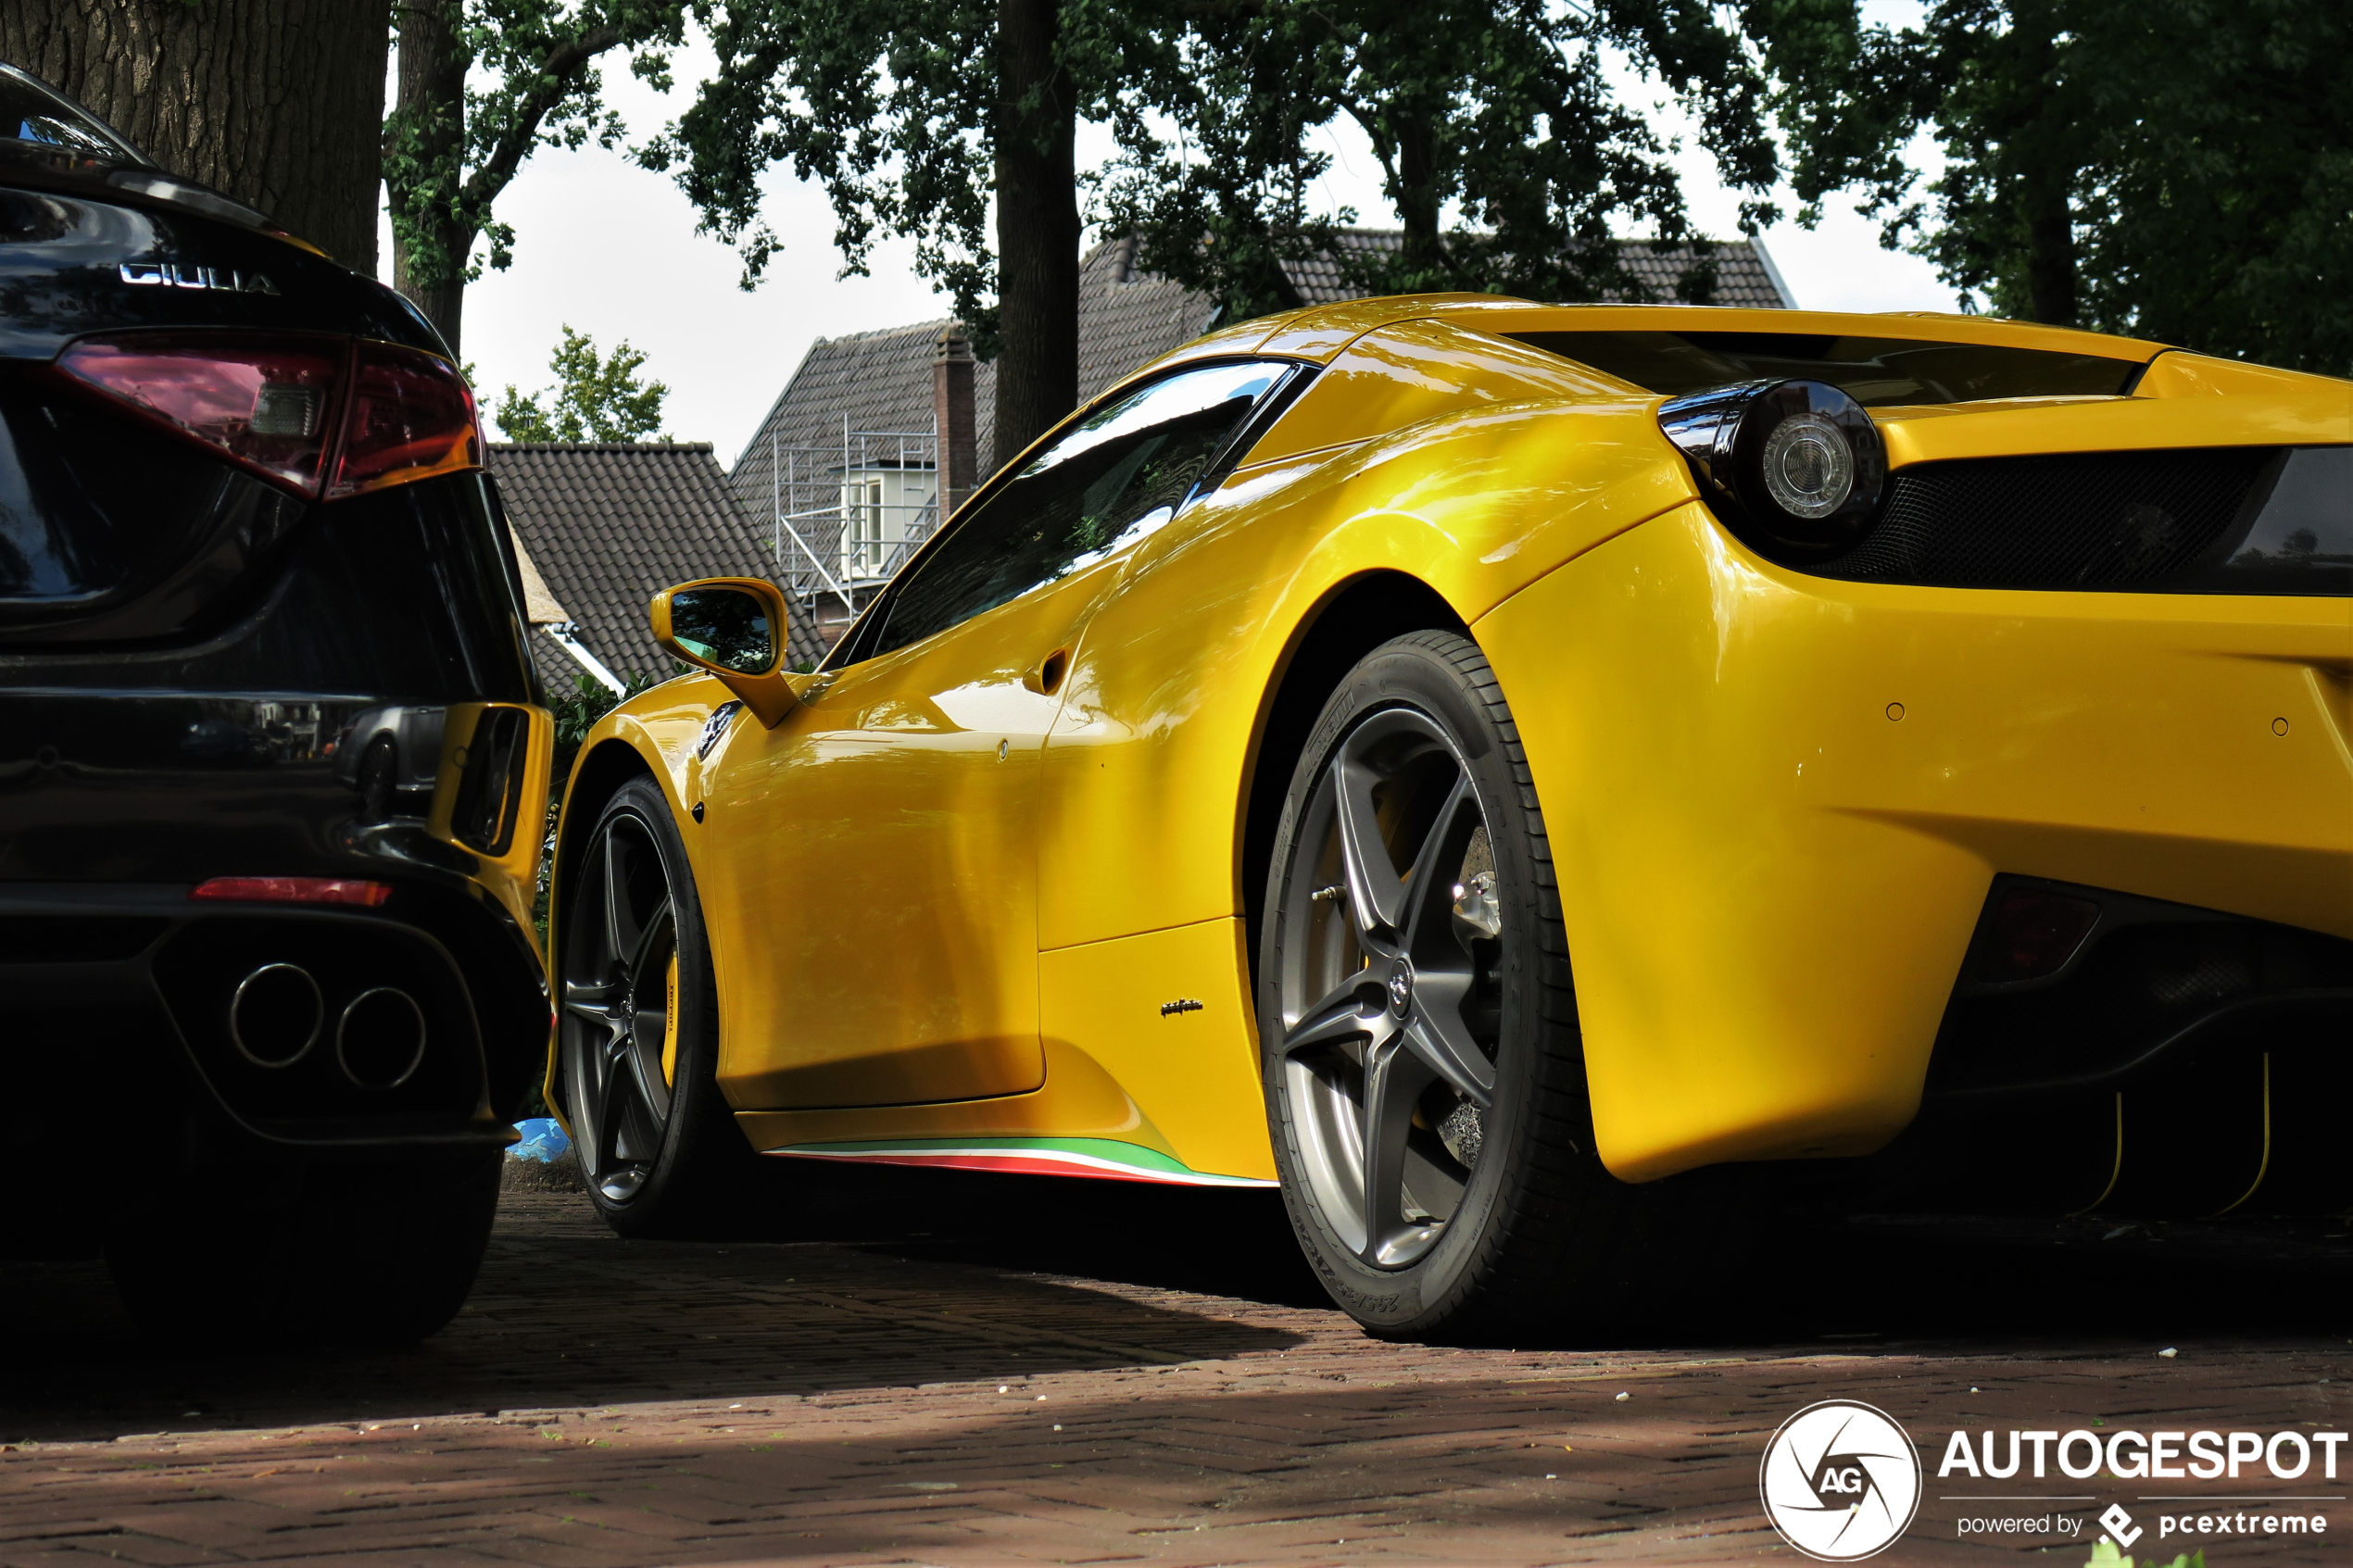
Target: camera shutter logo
1841, 1481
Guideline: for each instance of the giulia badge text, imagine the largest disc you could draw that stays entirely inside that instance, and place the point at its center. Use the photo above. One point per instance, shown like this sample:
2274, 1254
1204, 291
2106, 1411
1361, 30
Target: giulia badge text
185, 275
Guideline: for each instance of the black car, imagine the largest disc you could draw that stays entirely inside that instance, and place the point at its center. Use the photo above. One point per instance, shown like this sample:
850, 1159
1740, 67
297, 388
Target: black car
273, 762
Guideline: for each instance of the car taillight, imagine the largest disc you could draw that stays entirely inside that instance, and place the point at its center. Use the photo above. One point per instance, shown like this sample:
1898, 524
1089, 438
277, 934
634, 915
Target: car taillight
264, 401
412, 417
293, 890
325, 415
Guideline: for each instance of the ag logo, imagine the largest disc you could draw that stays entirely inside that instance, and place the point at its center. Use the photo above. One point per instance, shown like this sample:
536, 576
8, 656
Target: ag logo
1839, 1481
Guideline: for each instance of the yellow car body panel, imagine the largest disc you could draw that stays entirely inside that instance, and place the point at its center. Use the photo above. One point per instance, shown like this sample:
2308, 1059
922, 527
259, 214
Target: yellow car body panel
1161, 712
1125, 1062
1778, 800
903, 785
1777, 804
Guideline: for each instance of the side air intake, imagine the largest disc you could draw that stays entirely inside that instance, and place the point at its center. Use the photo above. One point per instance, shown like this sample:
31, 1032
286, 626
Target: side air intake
2231, 519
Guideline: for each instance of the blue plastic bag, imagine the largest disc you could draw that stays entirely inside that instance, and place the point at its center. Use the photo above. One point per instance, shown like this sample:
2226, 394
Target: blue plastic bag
543, 1140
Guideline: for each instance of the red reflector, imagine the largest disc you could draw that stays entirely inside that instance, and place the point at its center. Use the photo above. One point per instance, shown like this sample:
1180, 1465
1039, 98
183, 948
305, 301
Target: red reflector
294, 890
412, 417
325, 415
2035, 933
266, 401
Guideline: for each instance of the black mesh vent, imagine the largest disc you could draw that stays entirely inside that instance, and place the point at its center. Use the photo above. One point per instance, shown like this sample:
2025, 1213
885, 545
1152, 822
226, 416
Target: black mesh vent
2085, 520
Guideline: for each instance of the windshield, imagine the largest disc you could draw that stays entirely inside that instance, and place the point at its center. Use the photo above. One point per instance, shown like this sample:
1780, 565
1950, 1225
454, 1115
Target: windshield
1875, 371
32, 111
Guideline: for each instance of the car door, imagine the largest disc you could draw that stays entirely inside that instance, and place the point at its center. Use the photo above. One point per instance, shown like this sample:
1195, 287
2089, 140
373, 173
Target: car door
881, 841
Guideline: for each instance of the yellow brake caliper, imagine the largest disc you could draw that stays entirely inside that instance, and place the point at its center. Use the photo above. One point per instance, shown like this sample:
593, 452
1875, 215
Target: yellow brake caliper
670, 1027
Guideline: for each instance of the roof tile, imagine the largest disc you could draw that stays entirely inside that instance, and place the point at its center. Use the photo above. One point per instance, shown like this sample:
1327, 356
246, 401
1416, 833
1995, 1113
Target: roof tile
610, 525
881, 380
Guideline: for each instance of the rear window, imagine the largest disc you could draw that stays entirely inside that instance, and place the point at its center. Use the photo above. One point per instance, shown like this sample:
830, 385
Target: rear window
1872, 370
31, 111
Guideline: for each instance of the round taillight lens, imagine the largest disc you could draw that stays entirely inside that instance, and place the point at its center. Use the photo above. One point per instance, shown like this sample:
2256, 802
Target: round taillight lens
1795, 468
1808, 467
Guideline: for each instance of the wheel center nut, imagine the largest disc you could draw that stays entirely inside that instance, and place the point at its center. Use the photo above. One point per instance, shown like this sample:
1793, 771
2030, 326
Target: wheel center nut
1400, 986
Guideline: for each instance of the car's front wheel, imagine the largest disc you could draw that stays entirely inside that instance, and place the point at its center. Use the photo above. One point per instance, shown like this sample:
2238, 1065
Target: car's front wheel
1424, 1070
638, 1036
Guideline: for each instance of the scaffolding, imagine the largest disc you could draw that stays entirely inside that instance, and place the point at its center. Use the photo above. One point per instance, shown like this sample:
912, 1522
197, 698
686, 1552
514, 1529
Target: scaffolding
844, 518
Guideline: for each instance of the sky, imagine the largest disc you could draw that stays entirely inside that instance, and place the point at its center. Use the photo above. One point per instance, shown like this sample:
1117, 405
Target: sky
610, 249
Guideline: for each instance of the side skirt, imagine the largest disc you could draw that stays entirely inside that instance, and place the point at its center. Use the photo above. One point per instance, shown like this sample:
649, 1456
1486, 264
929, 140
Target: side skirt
1102, 1159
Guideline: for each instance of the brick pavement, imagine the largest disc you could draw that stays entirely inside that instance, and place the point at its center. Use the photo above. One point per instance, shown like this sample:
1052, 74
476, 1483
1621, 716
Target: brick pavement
1058, 1378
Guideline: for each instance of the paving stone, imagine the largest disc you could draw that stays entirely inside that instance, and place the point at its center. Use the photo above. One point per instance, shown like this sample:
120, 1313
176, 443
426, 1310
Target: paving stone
834, 1397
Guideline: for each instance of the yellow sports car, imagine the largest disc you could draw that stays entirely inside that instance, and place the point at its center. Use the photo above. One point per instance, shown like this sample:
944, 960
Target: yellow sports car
1475, 764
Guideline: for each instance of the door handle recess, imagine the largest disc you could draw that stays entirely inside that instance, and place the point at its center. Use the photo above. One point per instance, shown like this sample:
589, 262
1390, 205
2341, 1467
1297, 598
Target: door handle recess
1045, 677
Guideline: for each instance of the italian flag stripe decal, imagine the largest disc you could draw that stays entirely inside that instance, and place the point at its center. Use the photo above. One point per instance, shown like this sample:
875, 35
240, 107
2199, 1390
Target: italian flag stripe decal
1103, 1159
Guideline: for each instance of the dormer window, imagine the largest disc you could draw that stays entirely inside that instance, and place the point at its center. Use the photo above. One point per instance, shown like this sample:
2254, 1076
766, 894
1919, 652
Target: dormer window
887, 509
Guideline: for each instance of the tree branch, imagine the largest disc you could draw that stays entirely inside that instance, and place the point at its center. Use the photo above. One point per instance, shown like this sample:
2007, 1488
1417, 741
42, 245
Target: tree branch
554, 80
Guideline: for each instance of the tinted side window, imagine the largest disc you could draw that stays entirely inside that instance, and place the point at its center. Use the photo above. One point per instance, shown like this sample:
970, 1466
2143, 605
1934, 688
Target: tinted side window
1104, 484
1875, 371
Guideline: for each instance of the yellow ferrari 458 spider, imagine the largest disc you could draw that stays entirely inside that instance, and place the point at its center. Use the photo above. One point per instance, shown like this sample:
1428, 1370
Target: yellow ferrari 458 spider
1517, 777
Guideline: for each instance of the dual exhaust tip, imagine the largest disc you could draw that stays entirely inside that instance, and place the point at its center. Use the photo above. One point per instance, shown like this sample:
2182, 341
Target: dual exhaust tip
278, 1013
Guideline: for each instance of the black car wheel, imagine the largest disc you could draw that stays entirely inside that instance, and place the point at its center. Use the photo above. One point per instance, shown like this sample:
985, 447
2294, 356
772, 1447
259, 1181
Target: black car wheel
363, 1251
1423, 1067
638, 1036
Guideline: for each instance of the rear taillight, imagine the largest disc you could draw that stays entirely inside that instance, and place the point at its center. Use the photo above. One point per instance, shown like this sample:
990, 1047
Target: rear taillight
293, 890
325, 415
264, 401
412, 417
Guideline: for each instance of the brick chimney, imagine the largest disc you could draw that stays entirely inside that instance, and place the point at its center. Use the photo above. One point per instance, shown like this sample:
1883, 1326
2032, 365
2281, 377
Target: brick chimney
951, 414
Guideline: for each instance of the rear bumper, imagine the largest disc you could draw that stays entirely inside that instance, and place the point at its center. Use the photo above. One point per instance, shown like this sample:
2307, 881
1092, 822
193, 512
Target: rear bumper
1777, 804
118, 995
359, 707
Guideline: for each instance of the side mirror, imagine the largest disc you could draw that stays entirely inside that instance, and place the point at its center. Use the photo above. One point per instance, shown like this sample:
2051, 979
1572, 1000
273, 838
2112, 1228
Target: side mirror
735, 628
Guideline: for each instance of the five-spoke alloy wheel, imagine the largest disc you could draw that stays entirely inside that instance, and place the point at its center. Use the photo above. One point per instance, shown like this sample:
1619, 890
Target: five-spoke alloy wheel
637, 1031
620, 1003
1424, 1070
1388, 992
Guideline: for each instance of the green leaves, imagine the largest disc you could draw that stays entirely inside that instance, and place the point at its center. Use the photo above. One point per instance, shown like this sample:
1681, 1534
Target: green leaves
2106, 1555
577, 711
529, 81
1504, 149
2180, 169
888, 104
594, 399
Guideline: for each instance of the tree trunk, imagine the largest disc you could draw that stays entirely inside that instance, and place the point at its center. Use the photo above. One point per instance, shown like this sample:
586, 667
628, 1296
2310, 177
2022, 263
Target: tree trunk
2050, 248
431, 107
1424, 252
1037, 228
279, 103
2043, 149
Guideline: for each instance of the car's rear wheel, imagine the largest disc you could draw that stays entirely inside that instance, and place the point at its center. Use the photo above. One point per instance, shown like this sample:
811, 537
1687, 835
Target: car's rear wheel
639, 1031
358, 1251
1424, 1072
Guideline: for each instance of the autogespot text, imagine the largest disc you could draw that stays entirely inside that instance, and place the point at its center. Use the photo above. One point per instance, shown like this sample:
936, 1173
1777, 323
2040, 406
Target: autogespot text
2133, 1456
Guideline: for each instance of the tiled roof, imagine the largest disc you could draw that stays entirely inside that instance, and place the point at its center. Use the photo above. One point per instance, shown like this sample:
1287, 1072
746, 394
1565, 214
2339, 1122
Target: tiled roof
609, 525
881, 380
1744, 275
559, 672
1127, 317
878, 381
